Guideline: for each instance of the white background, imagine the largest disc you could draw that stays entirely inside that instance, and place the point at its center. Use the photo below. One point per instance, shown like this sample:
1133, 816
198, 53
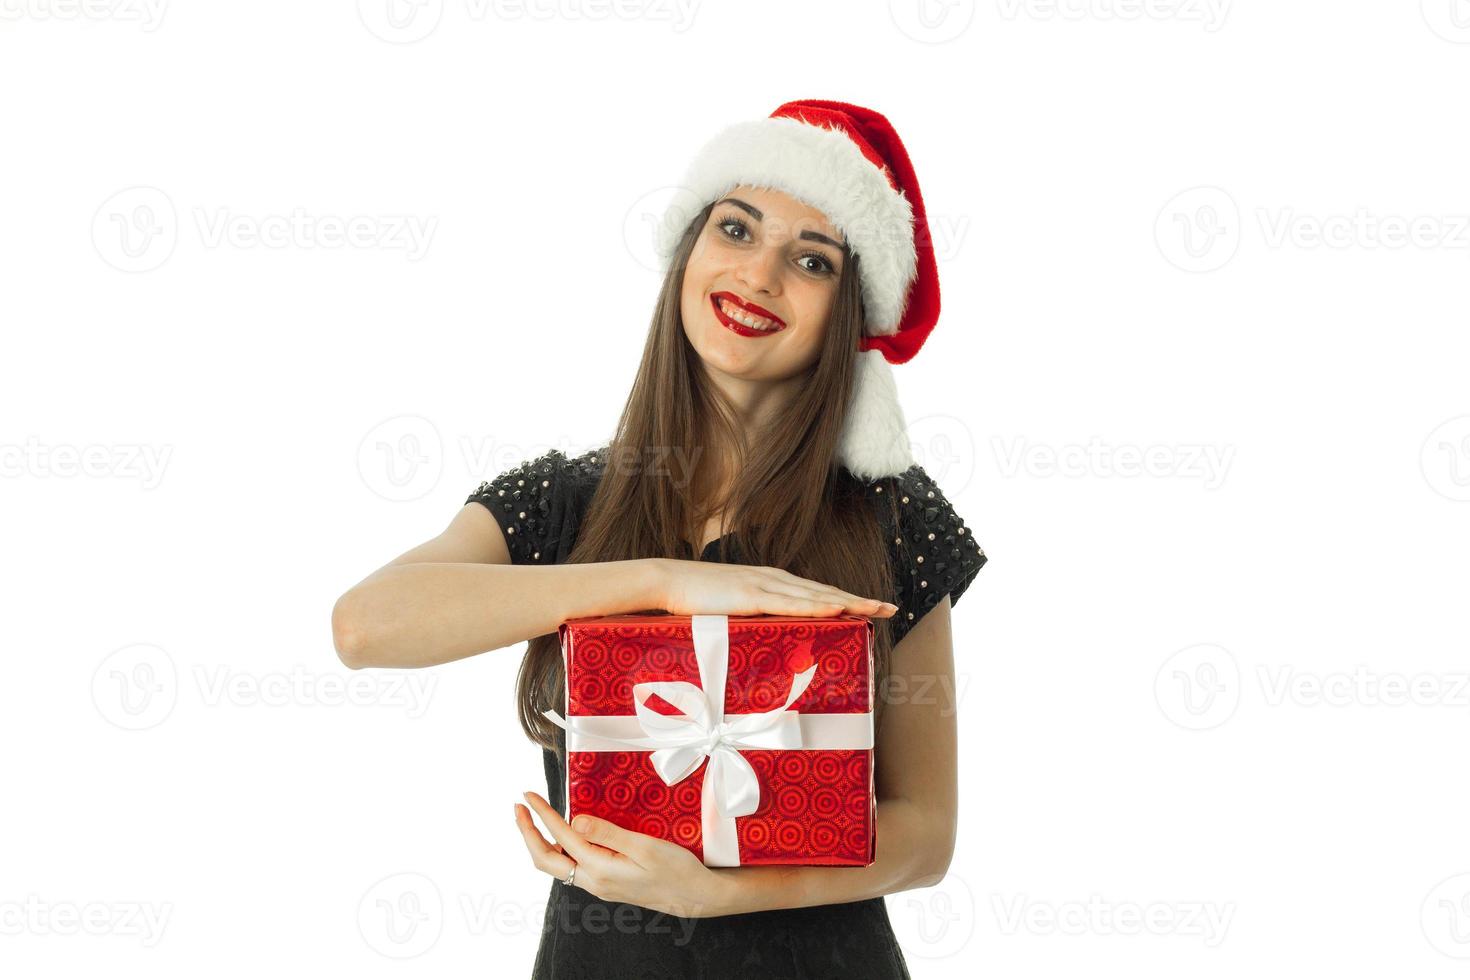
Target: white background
1225, 694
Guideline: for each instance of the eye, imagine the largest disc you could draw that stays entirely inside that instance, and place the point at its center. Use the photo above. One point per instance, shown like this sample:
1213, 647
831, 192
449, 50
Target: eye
824, 267
730, 221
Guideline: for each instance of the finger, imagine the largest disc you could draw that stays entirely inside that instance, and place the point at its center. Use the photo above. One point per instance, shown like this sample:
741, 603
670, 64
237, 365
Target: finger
850, 601
785, 604
543, 855
837, 600
583, 852
610, 835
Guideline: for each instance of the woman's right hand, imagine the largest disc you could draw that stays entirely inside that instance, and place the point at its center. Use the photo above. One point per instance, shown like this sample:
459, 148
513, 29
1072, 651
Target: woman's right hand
688, 588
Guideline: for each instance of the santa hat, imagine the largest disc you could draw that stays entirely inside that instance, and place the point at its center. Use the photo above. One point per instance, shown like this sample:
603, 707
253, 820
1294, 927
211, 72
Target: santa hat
847, 162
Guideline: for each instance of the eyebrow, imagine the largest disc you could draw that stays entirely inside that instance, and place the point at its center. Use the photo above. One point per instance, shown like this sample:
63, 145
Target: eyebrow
755, 213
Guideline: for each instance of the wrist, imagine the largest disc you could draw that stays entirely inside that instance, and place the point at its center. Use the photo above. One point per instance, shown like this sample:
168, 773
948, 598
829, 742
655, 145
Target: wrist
728, 894
652, 583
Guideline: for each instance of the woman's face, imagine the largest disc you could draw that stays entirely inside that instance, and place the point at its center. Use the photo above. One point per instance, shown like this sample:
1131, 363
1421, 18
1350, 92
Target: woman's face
782, 260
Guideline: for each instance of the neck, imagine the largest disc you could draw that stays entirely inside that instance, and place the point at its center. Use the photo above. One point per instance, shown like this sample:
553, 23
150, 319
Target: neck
756, 403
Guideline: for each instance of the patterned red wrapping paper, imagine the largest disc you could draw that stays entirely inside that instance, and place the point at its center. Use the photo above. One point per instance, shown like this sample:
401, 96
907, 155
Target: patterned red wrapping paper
816, 805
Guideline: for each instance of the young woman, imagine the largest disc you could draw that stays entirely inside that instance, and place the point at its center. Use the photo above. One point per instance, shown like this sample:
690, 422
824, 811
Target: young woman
760, 466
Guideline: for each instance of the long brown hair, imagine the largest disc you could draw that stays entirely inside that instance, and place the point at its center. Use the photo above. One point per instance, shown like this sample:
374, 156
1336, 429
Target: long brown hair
789, 504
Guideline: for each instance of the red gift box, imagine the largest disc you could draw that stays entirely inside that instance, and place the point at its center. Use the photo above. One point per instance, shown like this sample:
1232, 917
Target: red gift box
746, 739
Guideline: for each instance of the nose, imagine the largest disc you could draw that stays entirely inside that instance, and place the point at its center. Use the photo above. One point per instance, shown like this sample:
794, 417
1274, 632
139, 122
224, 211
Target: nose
760, 271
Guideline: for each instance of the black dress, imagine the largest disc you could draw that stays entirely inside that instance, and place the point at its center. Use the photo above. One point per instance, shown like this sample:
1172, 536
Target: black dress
539, 506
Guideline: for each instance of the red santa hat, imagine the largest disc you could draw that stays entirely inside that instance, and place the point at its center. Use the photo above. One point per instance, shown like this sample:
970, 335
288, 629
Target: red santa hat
847, 162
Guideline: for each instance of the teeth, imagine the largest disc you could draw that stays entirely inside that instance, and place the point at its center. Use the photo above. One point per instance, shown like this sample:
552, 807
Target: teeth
740, 316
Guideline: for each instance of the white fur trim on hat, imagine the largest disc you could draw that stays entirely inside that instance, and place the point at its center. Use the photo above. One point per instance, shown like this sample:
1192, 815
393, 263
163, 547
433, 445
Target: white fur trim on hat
824, 168
875, 436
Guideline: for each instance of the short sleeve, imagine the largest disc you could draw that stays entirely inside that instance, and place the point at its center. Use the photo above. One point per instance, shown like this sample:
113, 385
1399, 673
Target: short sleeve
539, 504
934, 553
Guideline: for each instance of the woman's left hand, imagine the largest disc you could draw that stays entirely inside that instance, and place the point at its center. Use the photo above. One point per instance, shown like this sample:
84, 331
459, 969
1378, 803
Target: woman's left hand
620, 865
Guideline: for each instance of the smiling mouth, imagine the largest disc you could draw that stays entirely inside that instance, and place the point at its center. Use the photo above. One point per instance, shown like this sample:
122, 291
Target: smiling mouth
744, 319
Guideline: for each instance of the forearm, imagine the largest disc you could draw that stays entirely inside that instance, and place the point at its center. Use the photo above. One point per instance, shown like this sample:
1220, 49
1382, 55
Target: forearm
908, 856
420, 614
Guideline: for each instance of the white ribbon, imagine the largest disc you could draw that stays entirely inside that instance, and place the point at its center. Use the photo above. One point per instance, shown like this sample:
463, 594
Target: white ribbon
702, 730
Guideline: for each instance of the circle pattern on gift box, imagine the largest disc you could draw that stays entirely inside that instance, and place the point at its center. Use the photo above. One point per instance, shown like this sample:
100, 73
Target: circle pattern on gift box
815, 806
